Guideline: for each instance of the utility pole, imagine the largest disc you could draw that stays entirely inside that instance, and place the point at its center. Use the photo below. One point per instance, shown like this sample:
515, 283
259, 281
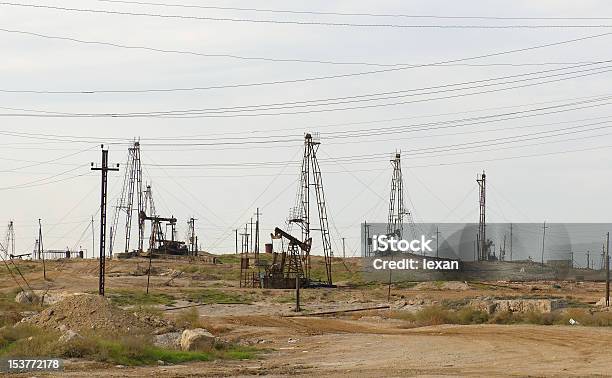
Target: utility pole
510, 241
543, 238
41, 251
251, 233
257, 214
236, 231
343, 249
297, 293
368, 245
437, 245
588, 260
483, 253
608, 270
503, 255
103, 192
93, 239
192, 237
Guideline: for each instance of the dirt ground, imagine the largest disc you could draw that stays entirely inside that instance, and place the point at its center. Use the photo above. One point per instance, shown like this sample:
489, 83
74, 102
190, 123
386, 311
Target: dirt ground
357, 346
374, 351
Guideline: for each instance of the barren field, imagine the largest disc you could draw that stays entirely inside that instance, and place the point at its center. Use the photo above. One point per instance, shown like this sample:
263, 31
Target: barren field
413, 336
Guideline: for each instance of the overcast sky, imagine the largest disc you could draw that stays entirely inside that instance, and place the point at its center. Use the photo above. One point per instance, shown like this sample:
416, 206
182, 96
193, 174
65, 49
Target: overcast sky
549, 164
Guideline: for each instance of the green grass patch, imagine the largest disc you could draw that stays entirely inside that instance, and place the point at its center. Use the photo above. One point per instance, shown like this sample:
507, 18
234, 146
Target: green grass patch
10, 311
217, 296
138, 298
229, 259
129, 350
439, 314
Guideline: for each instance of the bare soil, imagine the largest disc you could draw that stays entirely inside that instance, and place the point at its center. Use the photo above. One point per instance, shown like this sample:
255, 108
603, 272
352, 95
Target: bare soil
357, 345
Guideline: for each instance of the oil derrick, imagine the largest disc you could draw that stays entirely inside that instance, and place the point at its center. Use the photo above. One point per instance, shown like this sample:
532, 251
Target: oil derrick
290, 267
10, 240
132, 187
483, 244
191, 237
311, 177
397, 209
396, 200
157, 234
158, 243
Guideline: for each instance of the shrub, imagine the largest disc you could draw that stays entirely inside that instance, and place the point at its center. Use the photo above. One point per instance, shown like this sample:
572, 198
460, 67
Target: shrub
468, 315
435, 315
125, 350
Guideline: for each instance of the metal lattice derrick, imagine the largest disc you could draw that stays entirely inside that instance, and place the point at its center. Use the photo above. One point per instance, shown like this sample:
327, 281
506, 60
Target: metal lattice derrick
323, 221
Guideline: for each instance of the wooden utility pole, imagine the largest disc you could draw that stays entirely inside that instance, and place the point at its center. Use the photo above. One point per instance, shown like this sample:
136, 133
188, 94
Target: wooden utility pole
103, 194
389, 287
257, 214
608, 270
437, 245
41, 250
236, 231
543, 238
93, 239
588, 260
343, 249
297, 293
251, 233
510, 241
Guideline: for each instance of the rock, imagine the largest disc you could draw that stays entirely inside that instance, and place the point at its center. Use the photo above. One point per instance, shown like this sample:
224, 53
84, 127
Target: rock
197, 339
38, 296
517, 305
601, 302
170, 340
69, 335
27, 297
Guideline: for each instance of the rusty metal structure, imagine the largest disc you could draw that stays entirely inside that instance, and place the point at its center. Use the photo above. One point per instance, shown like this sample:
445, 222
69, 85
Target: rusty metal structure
191, 237
398, 213
482, 242
158, 241
310, 177
291, 265
10, 240
104, 169
395, 220
131, 200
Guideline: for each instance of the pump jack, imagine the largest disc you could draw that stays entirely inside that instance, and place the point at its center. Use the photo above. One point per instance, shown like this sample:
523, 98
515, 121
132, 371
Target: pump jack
291, 264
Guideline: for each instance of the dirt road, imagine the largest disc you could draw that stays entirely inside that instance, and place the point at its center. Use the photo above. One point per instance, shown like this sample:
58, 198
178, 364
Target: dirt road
475, 351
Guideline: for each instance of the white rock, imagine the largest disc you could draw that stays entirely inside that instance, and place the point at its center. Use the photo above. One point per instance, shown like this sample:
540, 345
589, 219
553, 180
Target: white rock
197, 339
27, 297
168, 340
69, 335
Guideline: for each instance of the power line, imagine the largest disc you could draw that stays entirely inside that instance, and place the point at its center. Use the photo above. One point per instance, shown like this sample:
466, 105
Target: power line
364, 97
360, 133
223, 114
251, 134
243, 57
302, 23
316, 78
426, 150
328, 13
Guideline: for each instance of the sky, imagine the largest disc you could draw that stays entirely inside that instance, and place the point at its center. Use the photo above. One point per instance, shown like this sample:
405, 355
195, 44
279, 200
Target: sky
535, 119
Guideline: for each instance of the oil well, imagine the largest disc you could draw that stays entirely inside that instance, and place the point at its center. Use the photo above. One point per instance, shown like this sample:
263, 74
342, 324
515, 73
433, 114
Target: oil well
137, 198
292, 265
